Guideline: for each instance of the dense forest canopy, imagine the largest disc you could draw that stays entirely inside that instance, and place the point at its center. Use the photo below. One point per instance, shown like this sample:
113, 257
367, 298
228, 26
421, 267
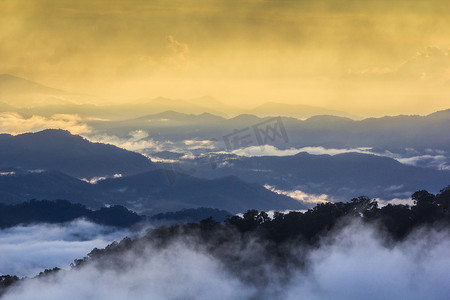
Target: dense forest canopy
279, 244
397, 221
61, 211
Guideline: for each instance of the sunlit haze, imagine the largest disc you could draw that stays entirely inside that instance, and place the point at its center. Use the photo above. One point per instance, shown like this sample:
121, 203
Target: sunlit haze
367, 58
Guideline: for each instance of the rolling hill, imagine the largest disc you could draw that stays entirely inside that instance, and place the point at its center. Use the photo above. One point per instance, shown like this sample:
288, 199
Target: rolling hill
341, 176
70, 154
149, 193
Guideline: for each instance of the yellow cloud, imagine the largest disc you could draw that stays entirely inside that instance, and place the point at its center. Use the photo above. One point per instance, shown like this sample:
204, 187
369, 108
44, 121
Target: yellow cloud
177, 48
432, 65
14, 123
242, 52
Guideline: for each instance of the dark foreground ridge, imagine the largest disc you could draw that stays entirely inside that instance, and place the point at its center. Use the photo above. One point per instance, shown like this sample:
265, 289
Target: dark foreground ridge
62, 211
192, 215
255, 246
397, 221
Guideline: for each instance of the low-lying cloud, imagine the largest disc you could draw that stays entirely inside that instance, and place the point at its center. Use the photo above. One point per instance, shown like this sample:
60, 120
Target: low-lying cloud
137, 141
96, 179
27, 250
314, 199
140, 141
395, 201
14, 123
355, 262
269, 150
302, 196
356, 265
435, 159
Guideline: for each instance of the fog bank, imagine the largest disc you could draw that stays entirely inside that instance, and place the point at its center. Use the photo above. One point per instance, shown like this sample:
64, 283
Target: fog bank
355, 262
28, 250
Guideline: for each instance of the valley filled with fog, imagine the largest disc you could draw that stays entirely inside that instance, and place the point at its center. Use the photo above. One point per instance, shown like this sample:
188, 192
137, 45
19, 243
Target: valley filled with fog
352, 260
28, 250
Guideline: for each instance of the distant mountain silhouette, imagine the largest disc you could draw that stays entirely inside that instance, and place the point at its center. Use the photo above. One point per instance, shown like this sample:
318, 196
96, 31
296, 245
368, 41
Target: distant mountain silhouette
341, 175
71, 154
244, 120
440, 114
387, 133
173, 116
32, 98
10, 84
117, 112
162, 104
150, 193
212, 103
299, 111
21, 92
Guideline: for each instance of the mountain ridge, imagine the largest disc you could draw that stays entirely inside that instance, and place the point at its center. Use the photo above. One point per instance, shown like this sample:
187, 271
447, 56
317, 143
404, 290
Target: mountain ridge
149, 193
56, 149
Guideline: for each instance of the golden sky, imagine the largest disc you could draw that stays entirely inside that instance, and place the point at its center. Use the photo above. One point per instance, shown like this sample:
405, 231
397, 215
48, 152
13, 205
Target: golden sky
367, 57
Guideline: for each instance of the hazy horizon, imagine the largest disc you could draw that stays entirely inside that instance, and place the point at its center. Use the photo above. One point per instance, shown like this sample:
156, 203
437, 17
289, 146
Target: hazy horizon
372, 59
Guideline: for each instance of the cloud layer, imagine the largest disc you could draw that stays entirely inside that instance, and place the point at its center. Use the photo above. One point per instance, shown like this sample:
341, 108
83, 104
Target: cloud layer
28, 250
353, 263
14, 123
269, 150
435, 159
302, 196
